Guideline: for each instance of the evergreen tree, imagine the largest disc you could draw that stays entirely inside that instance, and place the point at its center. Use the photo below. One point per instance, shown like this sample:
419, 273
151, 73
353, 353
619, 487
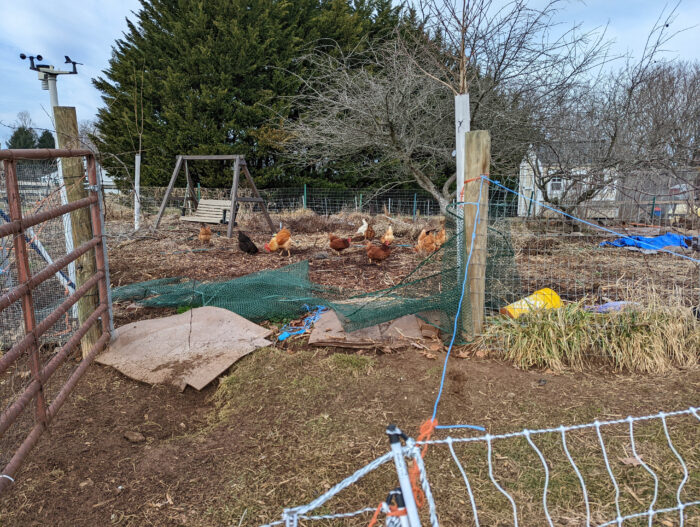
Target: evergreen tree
23, 137
46, 140
212, 78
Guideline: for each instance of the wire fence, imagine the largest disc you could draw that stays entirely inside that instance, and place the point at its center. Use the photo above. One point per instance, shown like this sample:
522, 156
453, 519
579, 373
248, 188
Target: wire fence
599, 473
504, 484
584, 259
322, 201
38, 293
531, 245
39, 190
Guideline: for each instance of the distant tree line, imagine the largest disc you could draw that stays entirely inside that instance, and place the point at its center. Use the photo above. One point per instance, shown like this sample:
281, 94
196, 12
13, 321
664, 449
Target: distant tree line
25, 136
218, 77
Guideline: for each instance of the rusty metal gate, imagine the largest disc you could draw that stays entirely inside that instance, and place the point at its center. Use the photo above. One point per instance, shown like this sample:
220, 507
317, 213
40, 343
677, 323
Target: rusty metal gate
28, 352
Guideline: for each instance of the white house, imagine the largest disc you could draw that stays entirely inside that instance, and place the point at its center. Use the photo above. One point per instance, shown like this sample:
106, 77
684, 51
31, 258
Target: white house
531, 200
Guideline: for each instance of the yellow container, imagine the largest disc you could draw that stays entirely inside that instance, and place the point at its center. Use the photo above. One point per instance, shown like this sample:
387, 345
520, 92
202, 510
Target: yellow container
543, 299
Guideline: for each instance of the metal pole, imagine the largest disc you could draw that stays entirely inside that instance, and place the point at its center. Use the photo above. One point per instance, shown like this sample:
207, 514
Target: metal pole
462, 123
103, 231
137, 192
304, 195
53, 90
415, 203
395, 436
67, 223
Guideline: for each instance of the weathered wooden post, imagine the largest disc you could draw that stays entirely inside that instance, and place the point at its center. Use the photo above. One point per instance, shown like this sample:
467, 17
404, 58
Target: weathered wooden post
75, 181
476, 190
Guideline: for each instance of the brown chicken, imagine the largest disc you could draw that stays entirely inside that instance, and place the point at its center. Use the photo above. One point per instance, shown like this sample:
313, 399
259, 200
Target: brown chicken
440, 238
388, 237
281, 241
369, 233
426, 242
205, 234
377, 254
339, 244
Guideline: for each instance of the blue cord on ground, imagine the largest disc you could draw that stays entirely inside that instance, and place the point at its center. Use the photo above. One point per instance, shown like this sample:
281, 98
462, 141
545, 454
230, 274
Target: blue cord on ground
288, 330
459, 310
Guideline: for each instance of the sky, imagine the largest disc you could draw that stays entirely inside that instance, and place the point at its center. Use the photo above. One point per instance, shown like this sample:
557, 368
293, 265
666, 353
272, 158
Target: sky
86, 30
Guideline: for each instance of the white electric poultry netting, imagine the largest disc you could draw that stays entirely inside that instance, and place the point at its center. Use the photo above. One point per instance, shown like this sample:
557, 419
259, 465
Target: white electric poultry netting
684, 508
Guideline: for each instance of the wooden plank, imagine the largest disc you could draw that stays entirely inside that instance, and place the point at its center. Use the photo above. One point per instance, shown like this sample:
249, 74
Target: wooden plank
476, 190
205, 219
190, 185
212, 157
234, 195
75, 180
178, 163
216, 202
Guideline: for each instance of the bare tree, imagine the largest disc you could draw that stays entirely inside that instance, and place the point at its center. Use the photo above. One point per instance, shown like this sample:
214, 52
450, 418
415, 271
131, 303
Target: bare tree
392, 107
624, 134
24, 120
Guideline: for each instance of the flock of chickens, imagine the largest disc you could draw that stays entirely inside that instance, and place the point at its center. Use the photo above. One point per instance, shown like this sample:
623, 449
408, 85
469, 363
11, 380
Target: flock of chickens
429, 241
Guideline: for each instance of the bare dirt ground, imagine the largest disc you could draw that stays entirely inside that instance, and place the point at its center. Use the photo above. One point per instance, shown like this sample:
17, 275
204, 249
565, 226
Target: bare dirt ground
176, 251
289, 422
289, 427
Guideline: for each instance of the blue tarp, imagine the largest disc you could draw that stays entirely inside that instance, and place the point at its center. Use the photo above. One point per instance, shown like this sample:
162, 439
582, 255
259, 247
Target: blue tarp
653, 243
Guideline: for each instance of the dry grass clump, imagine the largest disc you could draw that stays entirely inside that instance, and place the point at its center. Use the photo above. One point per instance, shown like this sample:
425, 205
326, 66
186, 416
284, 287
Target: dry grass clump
644, 339
299, 221
305, 221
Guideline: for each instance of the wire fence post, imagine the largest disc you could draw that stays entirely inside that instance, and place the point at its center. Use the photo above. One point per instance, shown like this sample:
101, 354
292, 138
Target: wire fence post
304, 197
137, 192
360, 201
395, 436
415, 203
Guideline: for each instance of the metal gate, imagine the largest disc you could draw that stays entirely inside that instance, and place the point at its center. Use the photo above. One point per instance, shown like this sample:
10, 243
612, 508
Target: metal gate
28, 350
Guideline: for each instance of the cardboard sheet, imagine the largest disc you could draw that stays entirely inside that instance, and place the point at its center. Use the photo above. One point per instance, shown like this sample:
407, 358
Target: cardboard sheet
399, 333
192, 348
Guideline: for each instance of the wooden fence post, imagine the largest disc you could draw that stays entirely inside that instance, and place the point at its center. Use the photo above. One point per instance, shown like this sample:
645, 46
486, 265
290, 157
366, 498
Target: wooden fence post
476, 190
75, 181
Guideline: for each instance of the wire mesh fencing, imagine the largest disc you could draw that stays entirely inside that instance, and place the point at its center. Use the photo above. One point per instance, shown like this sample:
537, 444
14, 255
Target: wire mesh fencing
38, 294
322, 201
566, 249
630, 471
39, 191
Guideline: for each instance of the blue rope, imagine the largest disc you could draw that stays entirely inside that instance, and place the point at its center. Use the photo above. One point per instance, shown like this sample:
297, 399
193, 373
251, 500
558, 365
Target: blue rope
473, 427
288, 330
584, 221
459, 309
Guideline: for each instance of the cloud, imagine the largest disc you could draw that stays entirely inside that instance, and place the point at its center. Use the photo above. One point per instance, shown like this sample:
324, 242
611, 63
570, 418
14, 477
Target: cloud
85, 31
87, 34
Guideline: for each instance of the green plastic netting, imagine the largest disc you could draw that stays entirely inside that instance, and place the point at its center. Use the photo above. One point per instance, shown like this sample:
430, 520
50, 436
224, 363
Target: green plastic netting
432, 290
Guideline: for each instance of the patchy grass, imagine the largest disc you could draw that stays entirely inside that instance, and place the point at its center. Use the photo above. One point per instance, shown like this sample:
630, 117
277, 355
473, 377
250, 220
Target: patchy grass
281, 428
354, 363
649, 339
326, 413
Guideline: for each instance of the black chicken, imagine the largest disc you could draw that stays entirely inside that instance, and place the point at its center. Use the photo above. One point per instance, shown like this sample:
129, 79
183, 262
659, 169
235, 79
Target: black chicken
245, 244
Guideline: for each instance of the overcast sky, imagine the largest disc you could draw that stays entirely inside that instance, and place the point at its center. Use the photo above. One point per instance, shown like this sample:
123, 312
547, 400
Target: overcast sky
86, 31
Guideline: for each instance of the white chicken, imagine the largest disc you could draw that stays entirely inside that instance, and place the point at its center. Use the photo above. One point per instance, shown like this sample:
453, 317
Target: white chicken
363, 228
